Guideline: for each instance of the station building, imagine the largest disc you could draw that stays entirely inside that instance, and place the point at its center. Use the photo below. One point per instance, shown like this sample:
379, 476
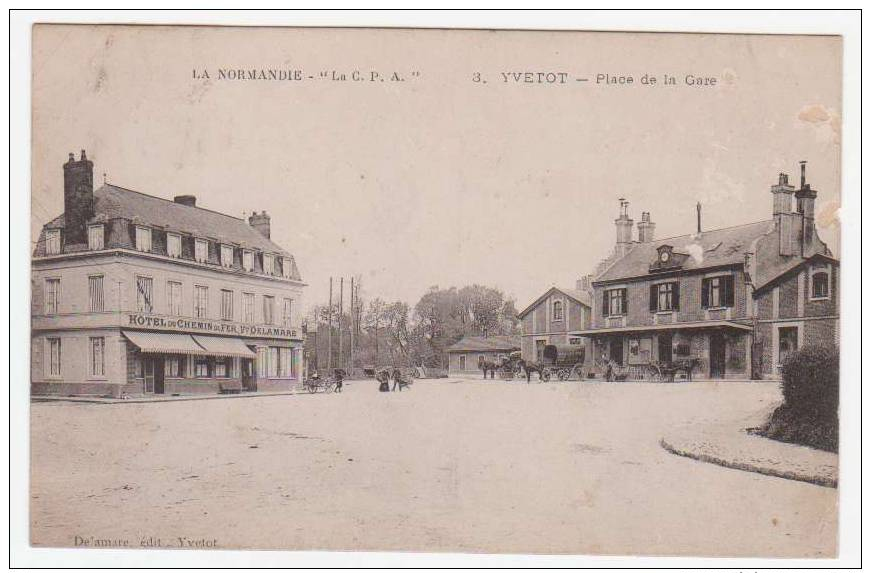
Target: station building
135, 294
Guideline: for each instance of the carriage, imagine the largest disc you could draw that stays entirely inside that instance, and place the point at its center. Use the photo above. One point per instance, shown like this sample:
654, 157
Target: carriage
563, 361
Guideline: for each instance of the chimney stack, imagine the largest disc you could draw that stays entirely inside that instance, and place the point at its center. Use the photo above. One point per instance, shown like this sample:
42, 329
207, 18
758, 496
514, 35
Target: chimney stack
189, 200
805, 198
78, 198
646, 227
260, 221
782, 195
624, 228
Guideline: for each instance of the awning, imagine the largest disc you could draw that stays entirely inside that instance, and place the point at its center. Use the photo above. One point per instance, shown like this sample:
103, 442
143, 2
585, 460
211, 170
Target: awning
223, 346
154, 342
674, 326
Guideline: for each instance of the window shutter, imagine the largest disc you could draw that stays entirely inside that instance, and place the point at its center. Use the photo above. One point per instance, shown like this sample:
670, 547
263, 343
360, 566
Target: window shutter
729, 288
675, 297
706, 284
625, 301
604, 303
654, 292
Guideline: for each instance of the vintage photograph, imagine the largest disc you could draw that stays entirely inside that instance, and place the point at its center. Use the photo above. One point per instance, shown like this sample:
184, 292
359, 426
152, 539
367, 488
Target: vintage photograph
434, 290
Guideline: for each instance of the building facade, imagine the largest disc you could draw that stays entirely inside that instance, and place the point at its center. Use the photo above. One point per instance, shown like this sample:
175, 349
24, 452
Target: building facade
464, 355
554, 318
135, 294
733, 301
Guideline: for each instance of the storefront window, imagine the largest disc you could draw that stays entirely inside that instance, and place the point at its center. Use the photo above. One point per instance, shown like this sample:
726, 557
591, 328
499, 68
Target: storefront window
286, 363
221, 368
201, 367
272, 370
172, 367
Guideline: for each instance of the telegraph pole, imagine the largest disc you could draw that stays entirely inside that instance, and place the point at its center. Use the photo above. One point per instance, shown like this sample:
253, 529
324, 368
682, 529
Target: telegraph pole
341, 312
353, 324
330, 330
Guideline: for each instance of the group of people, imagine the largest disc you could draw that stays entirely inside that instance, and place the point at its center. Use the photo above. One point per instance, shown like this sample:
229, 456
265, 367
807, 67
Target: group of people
384, 377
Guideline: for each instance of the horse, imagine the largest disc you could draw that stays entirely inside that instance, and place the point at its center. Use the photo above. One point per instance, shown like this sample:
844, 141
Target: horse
488, 366
530, 367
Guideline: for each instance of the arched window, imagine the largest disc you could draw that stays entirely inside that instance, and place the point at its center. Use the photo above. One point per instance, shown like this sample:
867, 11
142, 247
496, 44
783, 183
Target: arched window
820, 283
557, 310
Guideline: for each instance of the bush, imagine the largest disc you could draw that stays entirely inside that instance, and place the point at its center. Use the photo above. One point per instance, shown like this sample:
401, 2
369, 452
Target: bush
809, 413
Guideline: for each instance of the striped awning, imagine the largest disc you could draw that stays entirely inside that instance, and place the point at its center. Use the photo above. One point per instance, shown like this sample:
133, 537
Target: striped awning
223, 346
163, 343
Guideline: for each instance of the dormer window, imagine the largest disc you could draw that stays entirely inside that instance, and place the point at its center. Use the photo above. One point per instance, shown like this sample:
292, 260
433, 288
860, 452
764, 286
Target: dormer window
248, 260
821, 282
95, 237
285, 267
173, 245
226, 256
201, 250
143, 239
268, 264
52, 242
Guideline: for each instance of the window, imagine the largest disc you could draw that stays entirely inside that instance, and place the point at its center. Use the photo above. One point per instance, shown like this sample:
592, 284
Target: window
286, 267
173, 245
172, 367
226, 256
52, 296
557, 310
143, 239
248, 260
248, 307
640, 350
614, 302
137, 367
718, 292
820, 283
201, 250
462, 362
53, 353
173, 298
222, 369
144, 300
268, 309
52, 242
95, 293
272, 363
95, 237
268, 264
286, 316
788, 342
98, 356
286, 366
201, 367
226, 305
664, 297
201, 301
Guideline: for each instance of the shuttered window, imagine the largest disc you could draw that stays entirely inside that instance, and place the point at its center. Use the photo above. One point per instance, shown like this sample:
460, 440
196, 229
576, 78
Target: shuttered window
268, 309
95, 237
286, 317
248, 307
173, 245
144, 294
95, 293
227, 305
173, 298
664, 297
226, 256
52, 242
201, 301
718, 292
201, 250
614, 302
248, 260
268, 264
143, 239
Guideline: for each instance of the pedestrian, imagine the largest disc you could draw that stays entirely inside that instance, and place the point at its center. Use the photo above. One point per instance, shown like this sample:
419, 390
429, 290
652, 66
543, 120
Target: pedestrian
383, 378
340, 376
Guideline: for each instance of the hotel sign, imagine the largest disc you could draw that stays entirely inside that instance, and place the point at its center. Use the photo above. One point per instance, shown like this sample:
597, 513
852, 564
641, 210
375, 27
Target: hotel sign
206, 326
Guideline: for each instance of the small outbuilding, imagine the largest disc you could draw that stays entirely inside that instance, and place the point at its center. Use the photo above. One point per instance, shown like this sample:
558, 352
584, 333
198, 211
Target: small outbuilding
464, 355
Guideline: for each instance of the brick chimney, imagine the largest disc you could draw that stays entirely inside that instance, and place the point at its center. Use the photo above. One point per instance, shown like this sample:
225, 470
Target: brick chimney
78, 198
583, 284
260, 221
805, 197
782, 195
189, 200
646, 227
624, 229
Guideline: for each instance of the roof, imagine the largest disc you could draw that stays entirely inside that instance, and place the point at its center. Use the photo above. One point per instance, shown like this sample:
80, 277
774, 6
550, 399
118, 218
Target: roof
111, 201
796, 264
486, 343
713, 248
578, 295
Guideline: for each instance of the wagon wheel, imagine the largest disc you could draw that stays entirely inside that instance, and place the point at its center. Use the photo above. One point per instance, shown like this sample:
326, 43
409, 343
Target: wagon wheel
545, 375
563, 374
312, 388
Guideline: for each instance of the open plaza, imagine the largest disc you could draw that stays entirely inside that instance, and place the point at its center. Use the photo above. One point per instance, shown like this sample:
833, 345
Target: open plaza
450, 465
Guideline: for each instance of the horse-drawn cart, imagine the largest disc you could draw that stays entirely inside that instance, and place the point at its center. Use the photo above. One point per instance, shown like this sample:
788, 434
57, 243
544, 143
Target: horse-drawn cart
565, 361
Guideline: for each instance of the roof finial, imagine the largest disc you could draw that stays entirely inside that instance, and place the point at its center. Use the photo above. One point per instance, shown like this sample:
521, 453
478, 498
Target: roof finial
104, 177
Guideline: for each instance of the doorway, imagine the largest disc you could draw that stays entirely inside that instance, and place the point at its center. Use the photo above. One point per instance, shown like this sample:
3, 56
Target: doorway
616, 351
246, 366
153, 374
718, 355
665, 341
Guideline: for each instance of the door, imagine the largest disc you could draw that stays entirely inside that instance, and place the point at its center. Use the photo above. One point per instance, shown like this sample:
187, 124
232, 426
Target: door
787, 343
148, 374
665, 341
718, 355
158, 374
539, 350
616, 350
247, 370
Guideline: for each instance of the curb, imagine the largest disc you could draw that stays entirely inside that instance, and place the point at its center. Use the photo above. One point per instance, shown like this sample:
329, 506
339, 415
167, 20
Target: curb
819, 480
95, 400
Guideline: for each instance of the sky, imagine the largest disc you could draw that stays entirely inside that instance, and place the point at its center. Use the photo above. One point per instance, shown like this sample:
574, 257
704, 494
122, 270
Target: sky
439, 179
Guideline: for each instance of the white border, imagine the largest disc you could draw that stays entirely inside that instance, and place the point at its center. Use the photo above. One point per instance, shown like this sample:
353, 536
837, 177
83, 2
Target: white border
842, 23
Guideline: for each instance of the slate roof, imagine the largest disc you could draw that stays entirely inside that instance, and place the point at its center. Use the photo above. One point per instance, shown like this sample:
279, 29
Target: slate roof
708, 249
111, 201
486, 343
578, 295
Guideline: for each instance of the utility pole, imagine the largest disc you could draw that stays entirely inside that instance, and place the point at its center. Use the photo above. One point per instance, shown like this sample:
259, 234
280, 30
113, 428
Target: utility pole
330, 330
353, 324
341, 319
